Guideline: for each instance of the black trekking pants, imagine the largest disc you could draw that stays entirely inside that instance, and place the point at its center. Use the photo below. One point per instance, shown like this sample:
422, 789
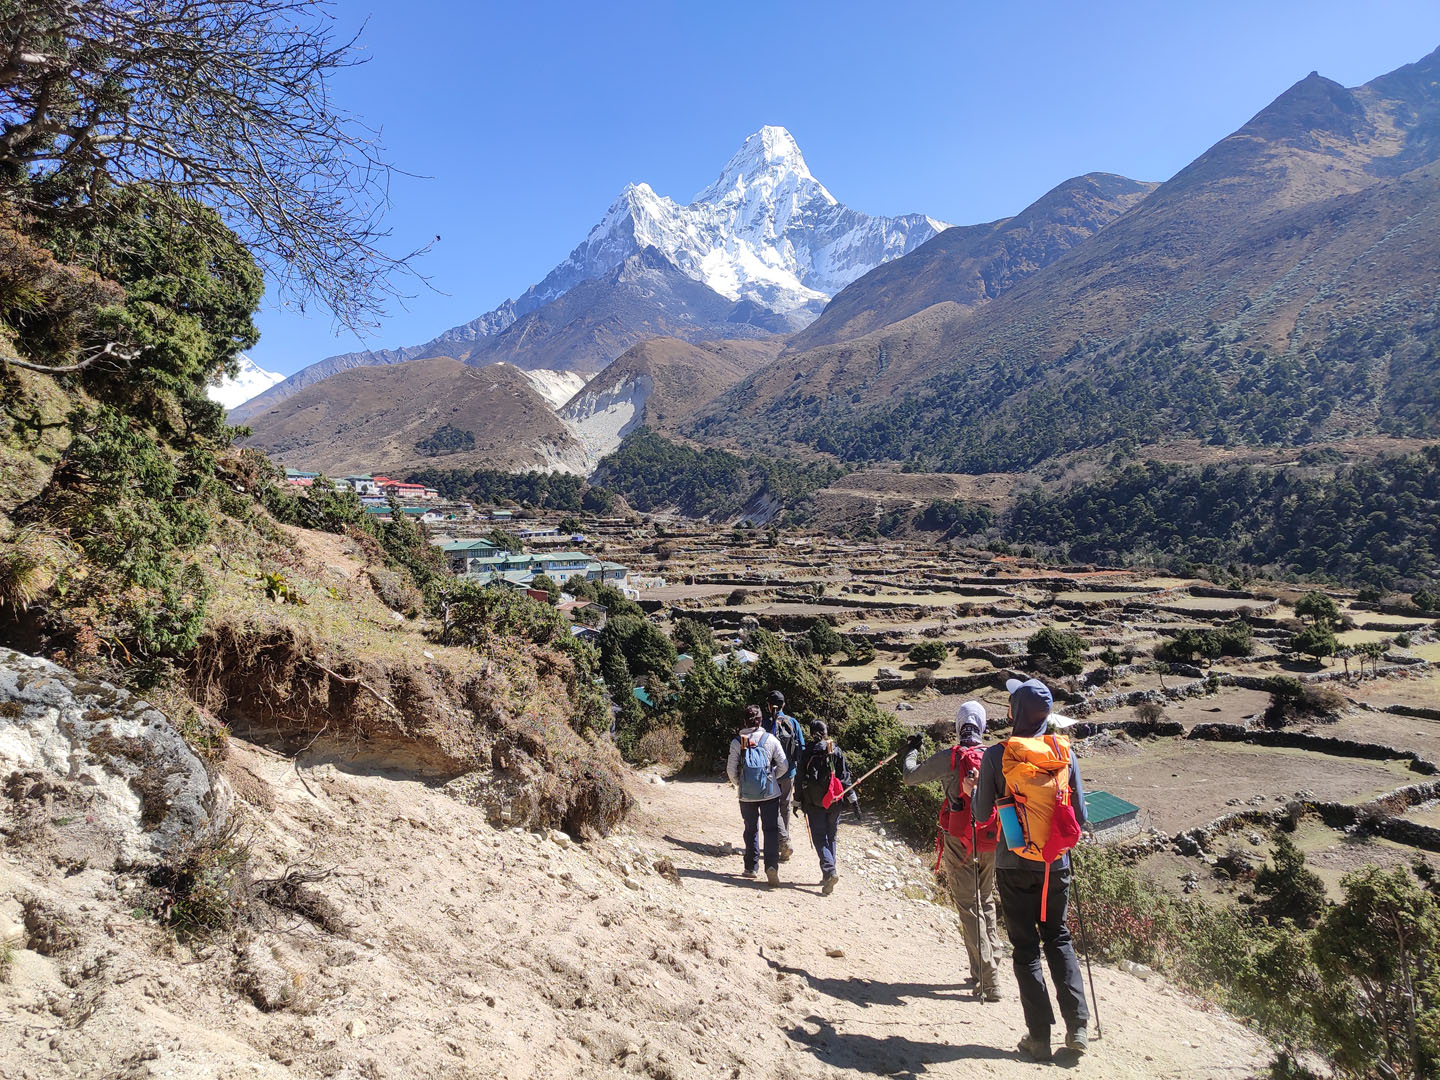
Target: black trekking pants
1020, 892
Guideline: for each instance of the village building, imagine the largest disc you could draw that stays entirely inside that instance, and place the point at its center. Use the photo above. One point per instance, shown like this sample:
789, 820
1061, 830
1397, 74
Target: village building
1110, 817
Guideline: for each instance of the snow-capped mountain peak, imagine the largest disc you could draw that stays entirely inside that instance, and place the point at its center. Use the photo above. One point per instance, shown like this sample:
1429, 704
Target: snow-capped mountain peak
770, 154
766, 231
250, 380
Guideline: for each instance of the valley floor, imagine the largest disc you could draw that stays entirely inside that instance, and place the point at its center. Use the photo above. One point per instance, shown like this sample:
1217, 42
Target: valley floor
459, 950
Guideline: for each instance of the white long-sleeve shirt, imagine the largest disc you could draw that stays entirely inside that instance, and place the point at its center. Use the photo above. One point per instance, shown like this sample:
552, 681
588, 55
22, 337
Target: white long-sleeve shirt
777, 763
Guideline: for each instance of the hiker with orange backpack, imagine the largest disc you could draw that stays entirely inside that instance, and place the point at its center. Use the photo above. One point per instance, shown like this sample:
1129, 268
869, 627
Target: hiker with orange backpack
964, 848
1032, 780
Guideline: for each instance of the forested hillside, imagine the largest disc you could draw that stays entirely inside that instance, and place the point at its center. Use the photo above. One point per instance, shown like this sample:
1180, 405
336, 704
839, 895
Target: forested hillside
1376, 523
654, 473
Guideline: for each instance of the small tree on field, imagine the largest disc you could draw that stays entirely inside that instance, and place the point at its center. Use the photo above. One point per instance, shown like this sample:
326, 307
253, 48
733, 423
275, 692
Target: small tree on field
1374, 651
1319, 608
928, 654
1316, 641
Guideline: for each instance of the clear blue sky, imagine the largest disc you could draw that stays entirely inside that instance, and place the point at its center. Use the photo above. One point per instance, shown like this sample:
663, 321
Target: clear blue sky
528, 117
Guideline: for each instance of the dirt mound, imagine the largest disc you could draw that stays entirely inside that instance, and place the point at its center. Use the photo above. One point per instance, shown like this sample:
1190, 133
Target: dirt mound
451, 948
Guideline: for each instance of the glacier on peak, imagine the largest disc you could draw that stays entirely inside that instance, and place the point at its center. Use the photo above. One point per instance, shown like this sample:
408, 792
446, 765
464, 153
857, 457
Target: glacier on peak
249, 380
765, 230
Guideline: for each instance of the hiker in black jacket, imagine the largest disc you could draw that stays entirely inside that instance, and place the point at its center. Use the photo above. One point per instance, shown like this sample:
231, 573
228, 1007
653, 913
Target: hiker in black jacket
820, 767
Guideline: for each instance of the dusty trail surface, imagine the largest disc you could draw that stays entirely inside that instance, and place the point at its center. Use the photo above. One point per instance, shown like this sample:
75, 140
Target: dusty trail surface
443, 947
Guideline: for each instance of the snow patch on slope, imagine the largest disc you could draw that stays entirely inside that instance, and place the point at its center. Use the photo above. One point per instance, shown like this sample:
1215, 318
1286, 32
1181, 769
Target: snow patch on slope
556, 387
251, 380
601, 418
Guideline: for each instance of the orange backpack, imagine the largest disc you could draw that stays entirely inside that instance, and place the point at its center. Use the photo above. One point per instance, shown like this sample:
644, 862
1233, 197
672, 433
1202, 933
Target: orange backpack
1037, 784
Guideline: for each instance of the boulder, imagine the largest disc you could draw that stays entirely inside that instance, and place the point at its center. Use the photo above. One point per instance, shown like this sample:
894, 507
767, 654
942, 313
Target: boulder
109, 773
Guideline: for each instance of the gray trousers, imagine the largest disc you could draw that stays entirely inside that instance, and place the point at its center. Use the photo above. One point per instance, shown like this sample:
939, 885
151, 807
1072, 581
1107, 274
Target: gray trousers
787, 789
978, 917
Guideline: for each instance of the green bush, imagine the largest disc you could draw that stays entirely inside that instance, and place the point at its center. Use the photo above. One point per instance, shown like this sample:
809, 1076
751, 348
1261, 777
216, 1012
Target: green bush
824, 638
928, 654
1060, 650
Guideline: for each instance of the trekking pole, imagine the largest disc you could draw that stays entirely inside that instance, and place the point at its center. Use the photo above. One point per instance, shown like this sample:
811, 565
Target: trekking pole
1080, 917
979, 914
867, 776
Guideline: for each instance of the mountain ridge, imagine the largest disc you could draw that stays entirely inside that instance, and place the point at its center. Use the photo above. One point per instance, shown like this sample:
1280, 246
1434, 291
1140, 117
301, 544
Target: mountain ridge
765, 234
1274, 289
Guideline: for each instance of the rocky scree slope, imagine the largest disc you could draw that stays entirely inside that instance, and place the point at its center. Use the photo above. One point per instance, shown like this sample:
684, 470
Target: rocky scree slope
658, 383
1277, 288
767, 243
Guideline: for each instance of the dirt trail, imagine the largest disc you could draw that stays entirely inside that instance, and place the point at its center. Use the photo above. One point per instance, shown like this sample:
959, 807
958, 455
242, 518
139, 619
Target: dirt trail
452, 949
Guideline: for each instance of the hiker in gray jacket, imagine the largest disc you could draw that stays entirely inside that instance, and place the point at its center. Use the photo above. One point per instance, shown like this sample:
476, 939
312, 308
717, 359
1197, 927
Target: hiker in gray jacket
966, 849
755, 766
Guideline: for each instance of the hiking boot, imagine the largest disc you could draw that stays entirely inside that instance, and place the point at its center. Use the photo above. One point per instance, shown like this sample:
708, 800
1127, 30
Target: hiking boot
785, 852
990, 994
1035, 1047
1077, 1040
749, 874
772, 875
827, 883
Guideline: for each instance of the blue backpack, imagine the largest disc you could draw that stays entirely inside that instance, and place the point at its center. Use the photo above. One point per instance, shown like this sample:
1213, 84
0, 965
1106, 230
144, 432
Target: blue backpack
756, 783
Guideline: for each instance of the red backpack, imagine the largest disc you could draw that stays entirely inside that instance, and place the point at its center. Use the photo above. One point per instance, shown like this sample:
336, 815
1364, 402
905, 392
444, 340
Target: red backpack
958, 822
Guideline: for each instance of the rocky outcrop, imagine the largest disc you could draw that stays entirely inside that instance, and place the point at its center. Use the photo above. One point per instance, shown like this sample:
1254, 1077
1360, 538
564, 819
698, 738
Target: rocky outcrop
105, 772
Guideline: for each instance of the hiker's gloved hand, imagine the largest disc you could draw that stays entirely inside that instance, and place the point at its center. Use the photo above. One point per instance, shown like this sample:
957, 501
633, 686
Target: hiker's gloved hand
969, 783
914, 742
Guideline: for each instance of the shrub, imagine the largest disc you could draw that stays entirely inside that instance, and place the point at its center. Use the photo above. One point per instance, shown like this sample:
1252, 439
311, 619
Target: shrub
925, 678
1288, 889
662, 746
396, 592
1150, 712
824, 638
1425, 600
1061, 650
736, 598
928, 654
859, 651
204, 889
1402, 640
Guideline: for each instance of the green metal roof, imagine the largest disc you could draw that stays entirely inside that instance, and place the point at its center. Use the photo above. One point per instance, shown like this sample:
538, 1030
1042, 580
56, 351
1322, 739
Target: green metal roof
1102, 808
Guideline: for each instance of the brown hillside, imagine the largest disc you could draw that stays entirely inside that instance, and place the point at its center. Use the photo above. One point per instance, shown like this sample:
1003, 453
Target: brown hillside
971, 265
372, 418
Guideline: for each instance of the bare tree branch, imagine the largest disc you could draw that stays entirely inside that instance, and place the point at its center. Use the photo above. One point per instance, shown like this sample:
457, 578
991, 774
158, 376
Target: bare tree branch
112, 351
224, 102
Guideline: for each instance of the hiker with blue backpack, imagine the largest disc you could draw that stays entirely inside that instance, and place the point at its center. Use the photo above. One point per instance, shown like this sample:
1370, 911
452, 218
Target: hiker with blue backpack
822, 778
964, 846
755, 766
786, 729
1033, 781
